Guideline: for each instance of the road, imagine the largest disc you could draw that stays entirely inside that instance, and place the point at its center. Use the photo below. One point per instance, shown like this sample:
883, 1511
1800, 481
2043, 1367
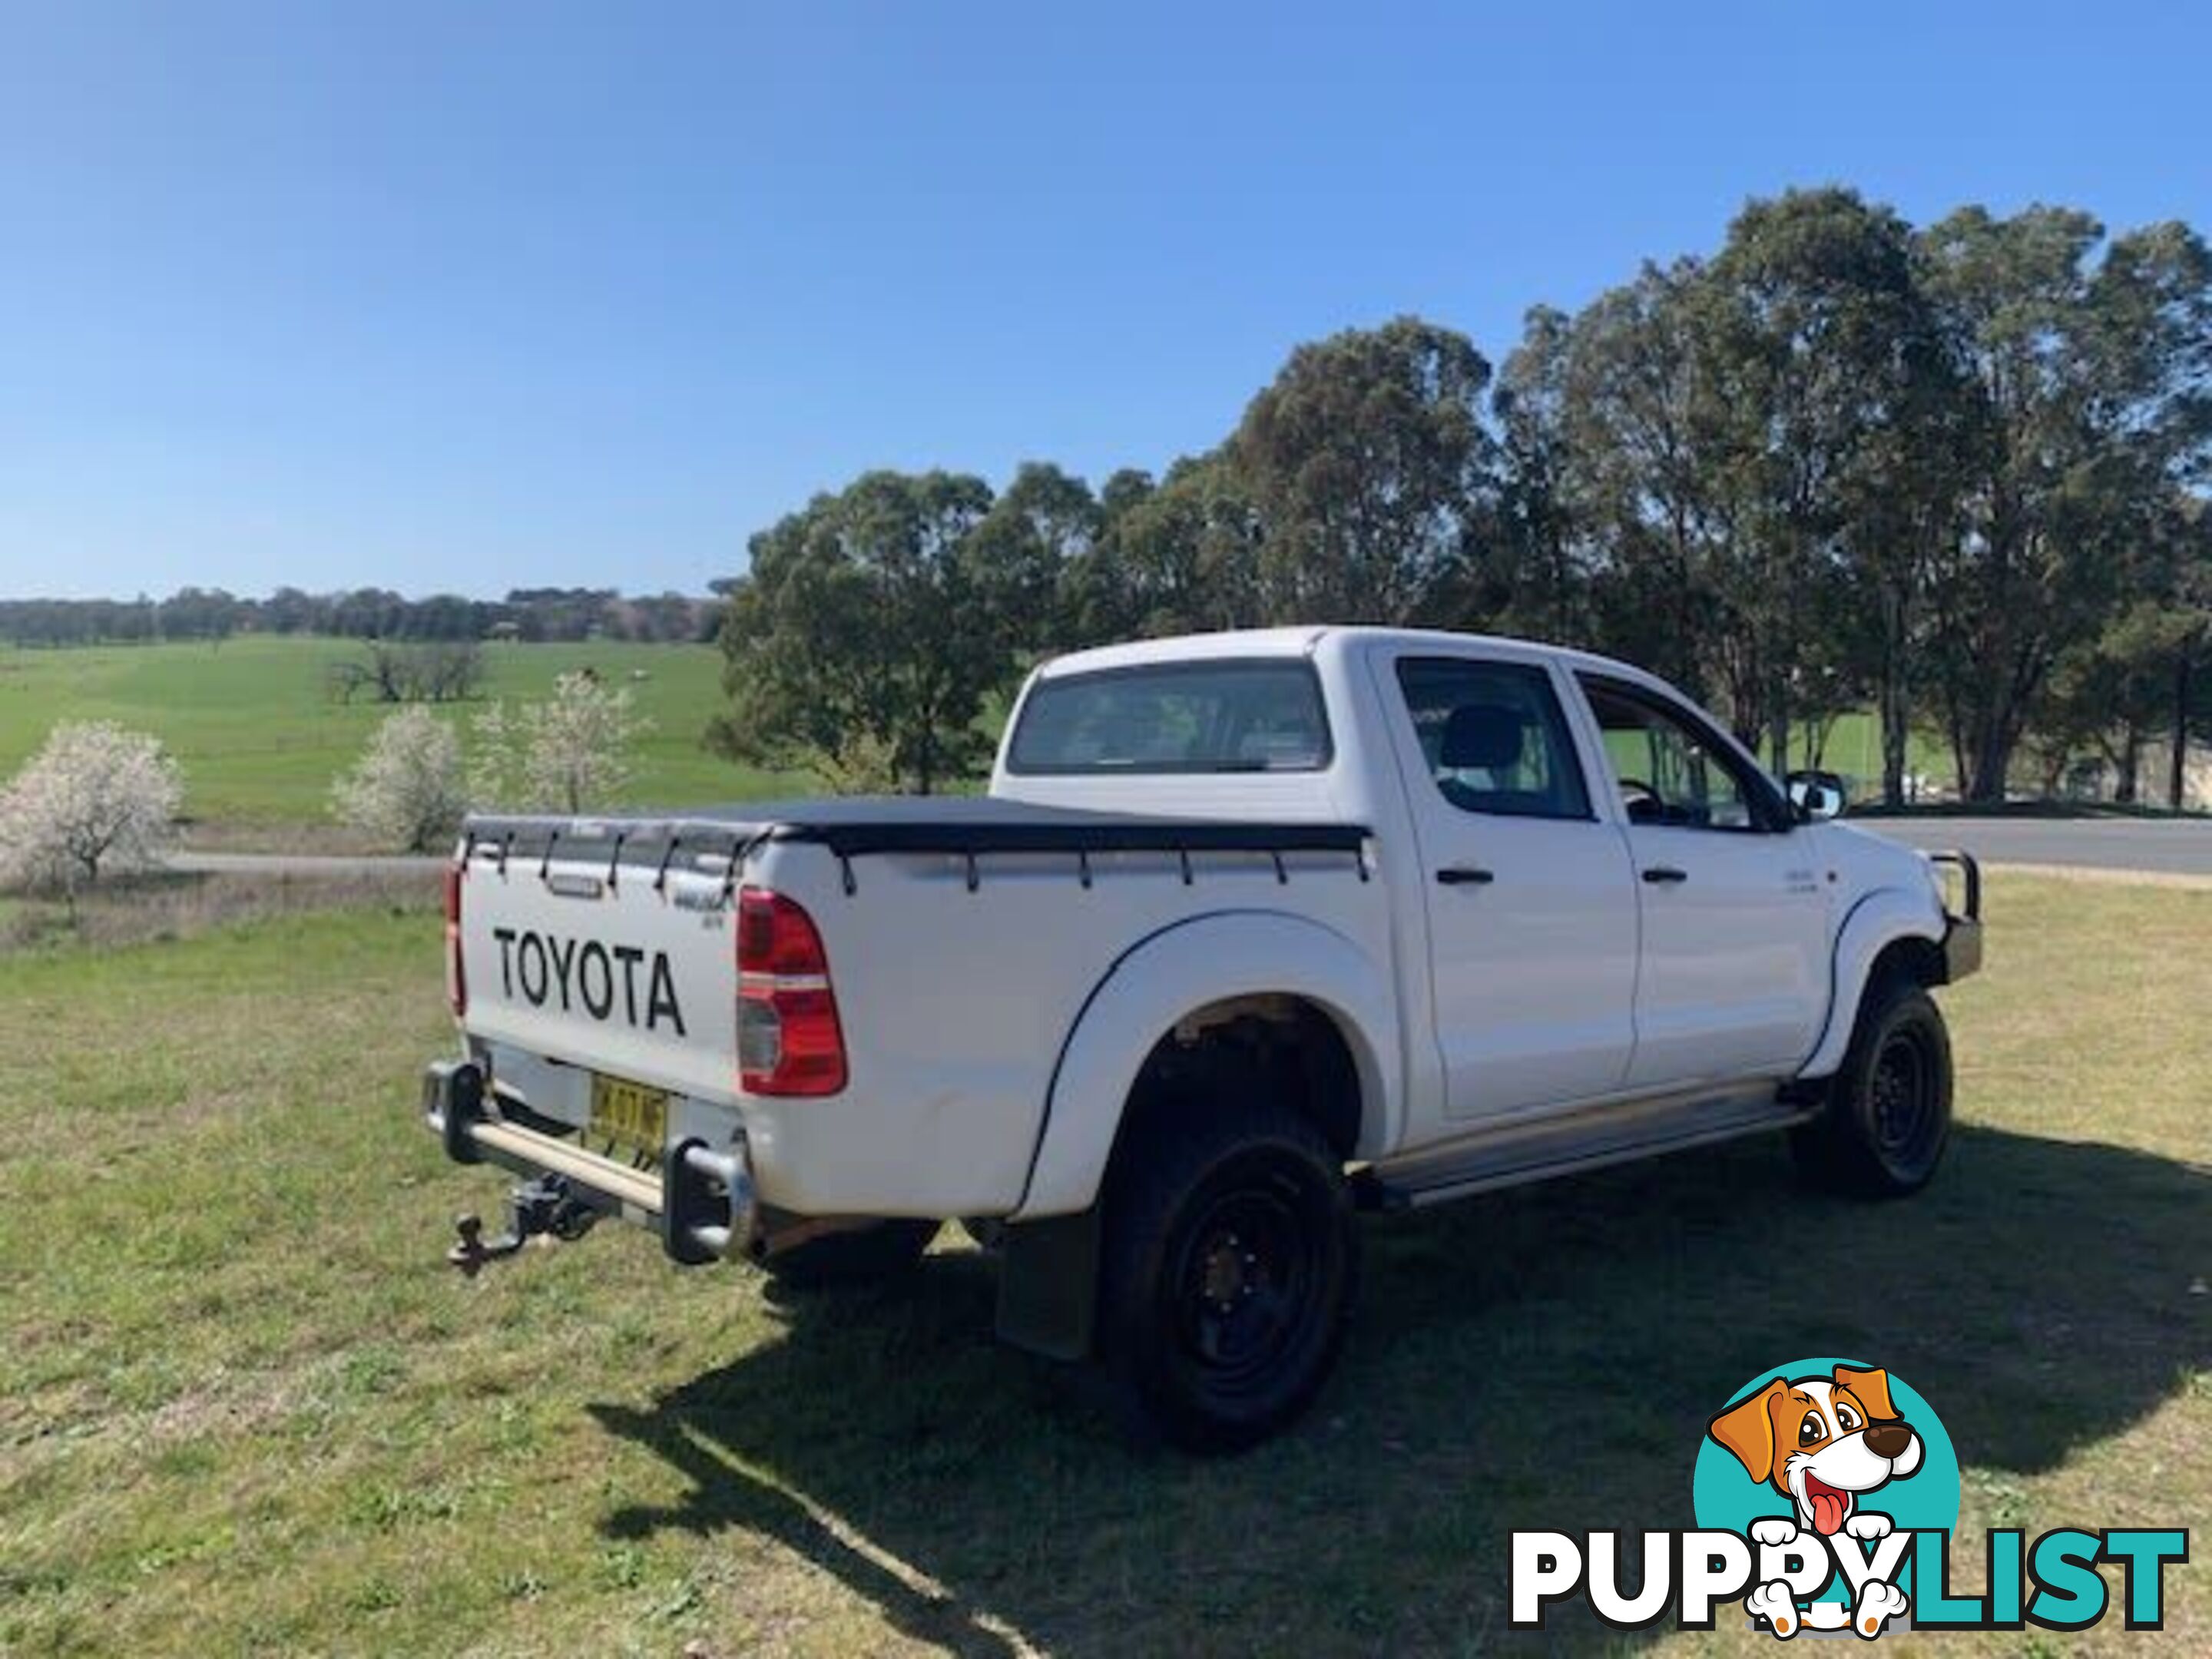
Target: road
2165, 846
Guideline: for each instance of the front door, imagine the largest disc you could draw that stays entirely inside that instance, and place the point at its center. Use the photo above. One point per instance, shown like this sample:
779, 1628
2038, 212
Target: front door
1733, 979
1531, 902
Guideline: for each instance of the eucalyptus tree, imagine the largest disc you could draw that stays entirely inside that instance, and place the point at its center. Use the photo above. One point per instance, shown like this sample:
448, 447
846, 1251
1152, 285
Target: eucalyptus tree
1831, 406
1634, 472
1045, 523
1368, 466
1097, 600
2136, 680
1534, 574
868, 632
1175, 557
2086, 383
1189, 551
2190, 690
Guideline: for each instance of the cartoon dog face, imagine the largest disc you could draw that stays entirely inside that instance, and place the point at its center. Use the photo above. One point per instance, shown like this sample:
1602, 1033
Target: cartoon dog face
1820, 1441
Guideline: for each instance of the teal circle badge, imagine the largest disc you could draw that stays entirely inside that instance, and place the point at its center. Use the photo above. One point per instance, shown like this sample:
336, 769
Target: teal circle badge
1821, 1442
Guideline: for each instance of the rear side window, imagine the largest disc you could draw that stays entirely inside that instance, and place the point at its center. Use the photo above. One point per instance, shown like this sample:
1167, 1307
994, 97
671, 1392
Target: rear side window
1493, 736
1175, 717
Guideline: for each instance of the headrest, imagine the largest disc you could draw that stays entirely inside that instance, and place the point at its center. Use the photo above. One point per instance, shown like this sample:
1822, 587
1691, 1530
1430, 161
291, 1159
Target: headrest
1482, 734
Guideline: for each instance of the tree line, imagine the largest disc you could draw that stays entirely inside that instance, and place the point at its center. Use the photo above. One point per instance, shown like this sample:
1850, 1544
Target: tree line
363, 613
1954, 472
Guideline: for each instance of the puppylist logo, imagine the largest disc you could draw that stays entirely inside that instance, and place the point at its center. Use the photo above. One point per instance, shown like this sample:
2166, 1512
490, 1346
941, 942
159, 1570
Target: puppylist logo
1825, 1494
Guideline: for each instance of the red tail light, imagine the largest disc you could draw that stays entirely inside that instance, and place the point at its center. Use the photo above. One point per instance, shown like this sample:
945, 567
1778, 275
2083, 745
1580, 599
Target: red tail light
457, 984
788, 1039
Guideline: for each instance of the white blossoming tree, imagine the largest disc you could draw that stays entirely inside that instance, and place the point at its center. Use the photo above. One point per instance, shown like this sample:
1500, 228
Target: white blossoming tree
406, 790
567, 754
96, 797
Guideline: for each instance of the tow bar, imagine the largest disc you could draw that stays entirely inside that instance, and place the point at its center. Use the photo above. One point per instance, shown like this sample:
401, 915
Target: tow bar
546, 1207
701, 1200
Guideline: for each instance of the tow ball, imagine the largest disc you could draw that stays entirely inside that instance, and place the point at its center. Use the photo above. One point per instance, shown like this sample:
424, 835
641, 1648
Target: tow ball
546, 1206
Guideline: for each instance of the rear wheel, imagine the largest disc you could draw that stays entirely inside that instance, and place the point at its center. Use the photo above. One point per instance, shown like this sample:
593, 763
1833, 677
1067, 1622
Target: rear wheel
1888, 1113
857, 1256
1229, 1270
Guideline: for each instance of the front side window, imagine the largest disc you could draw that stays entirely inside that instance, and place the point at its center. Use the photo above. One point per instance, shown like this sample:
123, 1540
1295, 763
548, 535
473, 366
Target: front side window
1668, 771
1493, 737
1175, 717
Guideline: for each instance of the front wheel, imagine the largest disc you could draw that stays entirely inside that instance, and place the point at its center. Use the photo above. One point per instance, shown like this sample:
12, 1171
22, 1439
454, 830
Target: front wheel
1231, 1260
1888, 1113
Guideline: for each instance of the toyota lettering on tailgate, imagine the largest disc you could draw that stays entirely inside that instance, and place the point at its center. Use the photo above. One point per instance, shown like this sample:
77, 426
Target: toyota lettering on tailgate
598, 978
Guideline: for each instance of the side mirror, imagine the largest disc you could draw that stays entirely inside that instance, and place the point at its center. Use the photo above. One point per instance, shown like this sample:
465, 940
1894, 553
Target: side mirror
1817, 796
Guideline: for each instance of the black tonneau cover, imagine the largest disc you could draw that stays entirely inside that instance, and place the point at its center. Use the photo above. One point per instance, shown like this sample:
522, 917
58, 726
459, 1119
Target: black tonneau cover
851, 826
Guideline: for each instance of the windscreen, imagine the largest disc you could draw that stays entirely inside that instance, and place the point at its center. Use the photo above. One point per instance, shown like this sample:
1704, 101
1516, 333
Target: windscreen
1175, 717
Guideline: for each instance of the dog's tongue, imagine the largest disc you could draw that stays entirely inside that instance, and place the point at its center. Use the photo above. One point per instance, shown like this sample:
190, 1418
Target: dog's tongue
1829, 1508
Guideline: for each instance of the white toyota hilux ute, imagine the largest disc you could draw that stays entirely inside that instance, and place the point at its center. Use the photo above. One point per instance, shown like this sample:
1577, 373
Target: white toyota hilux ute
1252, 931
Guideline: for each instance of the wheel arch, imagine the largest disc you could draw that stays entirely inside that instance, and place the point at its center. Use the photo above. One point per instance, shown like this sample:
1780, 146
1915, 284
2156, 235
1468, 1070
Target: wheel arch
1889, 929
1193, 978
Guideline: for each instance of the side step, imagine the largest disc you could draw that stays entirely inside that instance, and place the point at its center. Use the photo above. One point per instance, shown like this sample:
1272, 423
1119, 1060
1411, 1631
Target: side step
1586, 1140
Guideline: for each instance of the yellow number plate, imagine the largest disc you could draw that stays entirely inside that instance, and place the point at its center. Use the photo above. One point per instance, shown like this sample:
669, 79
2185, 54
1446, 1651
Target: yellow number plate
629, 1115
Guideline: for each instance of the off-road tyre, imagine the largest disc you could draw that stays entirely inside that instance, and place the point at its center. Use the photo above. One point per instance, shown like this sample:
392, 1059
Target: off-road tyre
1228, 1266
1887, 1117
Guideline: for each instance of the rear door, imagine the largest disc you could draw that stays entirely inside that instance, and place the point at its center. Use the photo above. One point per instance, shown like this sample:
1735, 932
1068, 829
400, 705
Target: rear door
1531, 904
1735, 898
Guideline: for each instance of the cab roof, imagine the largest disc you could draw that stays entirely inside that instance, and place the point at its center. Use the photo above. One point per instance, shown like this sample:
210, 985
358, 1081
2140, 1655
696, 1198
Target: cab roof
1309, 640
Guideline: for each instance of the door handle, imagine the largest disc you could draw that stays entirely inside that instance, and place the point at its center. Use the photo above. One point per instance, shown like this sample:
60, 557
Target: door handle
1665, 874
1465, 875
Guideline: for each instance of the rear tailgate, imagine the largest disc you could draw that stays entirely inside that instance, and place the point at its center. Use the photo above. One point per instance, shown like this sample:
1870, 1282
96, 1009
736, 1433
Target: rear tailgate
580, 954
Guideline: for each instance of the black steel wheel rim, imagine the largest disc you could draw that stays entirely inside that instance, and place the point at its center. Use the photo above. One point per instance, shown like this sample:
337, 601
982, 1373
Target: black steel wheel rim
1903, 1099
1244, 1285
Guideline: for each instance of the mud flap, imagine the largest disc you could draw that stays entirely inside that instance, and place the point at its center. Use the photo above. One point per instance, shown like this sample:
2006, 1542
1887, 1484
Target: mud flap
1048, 1285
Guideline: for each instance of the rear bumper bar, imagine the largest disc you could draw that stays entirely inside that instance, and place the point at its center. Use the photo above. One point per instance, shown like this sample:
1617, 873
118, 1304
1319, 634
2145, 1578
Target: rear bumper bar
1962, 933
701, 1200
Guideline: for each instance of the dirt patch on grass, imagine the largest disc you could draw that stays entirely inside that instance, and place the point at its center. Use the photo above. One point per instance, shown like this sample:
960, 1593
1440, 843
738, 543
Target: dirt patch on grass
227, 1402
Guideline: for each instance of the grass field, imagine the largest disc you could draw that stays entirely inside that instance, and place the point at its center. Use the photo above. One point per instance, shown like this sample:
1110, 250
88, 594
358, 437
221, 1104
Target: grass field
260, 741
244, 1408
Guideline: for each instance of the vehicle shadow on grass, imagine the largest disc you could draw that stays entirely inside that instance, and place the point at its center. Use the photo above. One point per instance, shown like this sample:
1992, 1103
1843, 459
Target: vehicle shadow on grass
1543, 1358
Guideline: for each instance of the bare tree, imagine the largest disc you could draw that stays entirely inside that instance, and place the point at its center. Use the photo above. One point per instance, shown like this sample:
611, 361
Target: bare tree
440, 670
344, 681
449, 671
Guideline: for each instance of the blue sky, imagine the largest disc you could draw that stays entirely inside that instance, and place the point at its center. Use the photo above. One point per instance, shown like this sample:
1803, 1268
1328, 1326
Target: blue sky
471, 296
